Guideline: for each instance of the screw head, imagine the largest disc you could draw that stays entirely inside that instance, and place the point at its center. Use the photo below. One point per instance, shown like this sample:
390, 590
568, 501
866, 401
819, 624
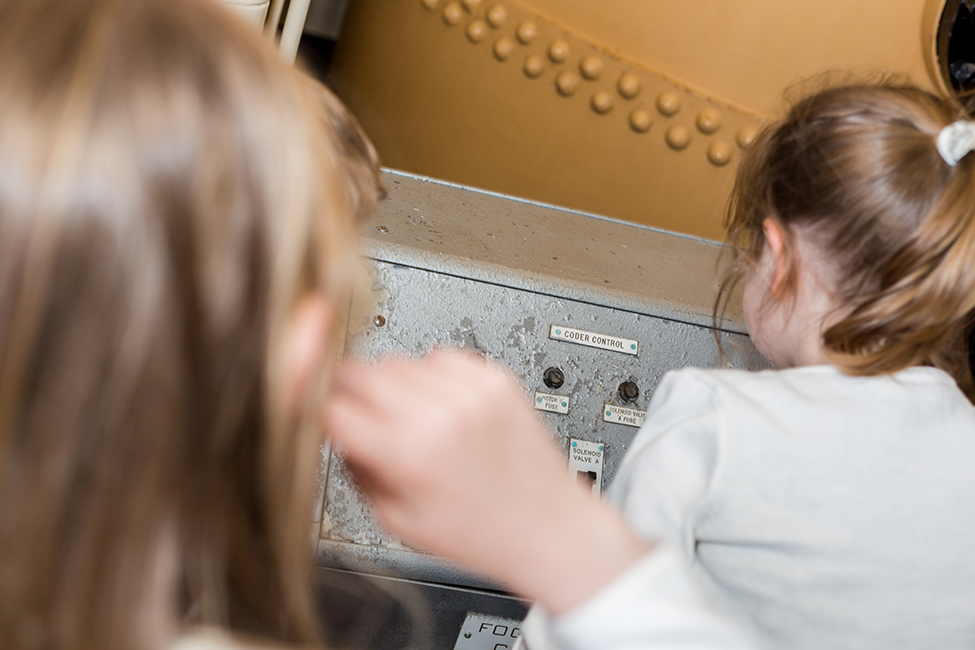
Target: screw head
553, 377
527, 31
678, 137
629, 85
379, 320
629, 391
591, 67
567, 82
534, 66
719, 153
559, 50
503, 47
668, 103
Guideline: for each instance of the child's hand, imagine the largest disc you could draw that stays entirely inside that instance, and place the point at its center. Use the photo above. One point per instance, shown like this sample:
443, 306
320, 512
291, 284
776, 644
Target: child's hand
456, 462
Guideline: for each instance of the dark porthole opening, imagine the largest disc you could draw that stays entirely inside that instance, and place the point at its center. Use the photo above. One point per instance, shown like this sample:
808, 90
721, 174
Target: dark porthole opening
956, 45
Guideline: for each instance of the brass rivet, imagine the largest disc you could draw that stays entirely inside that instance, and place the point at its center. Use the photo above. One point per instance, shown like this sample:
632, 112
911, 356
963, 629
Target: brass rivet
628, 85
591, 67
534, 65
379, 320
708, 121
452, 13
746, 136
527, 31
641, 120
430, 5
602, 101
567, 82
678, 137
476, 30
719, 153
559, 51
496, 16
503, 47
668, 103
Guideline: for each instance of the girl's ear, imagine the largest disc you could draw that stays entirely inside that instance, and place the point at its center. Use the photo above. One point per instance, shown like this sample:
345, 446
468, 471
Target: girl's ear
775, 245
309, 333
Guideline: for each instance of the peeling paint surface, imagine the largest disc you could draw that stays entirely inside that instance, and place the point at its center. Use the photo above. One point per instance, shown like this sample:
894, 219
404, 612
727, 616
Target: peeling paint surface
474, 307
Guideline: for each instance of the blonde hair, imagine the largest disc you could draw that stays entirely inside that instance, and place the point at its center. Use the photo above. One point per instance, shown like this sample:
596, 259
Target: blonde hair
169, 188
856, 168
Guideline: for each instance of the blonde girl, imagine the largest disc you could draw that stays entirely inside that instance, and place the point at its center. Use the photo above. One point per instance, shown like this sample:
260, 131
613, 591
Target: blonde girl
829, 503
177, 211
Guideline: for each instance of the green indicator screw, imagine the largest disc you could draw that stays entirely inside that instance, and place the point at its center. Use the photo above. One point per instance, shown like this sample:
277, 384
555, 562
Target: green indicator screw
558, 332
564, 404
573, 444
633, 346
600, 447
609, 413
539, 400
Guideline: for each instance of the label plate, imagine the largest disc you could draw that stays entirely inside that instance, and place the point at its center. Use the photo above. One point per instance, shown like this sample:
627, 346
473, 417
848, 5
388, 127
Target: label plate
551, 403
586, 463
481, 632
594, 340
623, 415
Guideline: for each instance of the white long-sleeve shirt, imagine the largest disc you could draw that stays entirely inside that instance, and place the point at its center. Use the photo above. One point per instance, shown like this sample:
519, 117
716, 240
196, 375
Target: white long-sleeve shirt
655, 605
820, 510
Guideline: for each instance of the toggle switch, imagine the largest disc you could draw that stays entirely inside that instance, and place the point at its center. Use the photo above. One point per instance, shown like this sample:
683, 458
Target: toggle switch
629, 391
553, 378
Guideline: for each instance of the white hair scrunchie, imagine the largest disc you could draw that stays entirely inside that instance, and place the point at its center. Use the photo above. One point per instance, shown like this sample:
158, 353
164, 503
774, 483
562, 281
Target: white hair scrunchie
956, 141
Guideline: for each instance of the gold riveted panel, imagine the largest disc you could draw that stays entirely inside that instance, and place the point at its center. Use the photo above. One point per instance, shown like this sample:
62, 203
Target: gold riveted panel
641, 143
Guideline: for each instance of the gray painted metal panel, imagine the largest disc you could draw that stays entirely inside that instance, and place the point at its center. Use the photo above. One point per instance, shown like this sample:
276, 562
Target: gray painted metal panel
453, 266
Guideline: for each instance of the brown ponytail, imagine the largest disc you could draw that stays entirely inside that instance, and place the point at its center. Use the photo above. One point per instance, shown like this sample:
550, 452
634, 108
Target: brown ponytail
857, 168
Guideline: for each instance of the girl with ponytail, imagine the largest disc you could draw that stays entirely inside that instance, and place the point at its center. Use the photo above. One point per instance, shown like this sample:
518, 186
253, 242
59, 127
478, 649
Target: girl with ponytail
828, 503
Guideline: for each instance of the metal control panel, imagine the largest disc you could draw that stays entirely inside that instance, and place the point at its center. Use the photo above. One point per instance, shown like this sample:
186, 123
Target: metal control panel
589, 313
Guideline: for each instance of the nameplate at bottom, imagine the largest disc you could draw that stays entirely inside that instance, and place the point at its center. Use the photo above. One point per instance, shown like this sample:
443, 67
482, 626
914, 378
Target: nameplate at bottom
481, 632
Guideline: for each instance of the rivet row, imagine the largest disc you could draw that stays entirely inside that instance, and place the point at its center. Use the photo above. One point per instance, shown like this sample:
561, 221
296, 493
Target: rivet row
590, 68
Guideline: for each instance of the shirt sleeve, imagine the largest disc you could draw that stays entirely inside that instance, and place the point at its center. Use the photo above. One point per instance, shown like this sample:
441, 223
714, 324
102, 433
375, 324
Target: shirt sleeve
669, 467
653, 606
